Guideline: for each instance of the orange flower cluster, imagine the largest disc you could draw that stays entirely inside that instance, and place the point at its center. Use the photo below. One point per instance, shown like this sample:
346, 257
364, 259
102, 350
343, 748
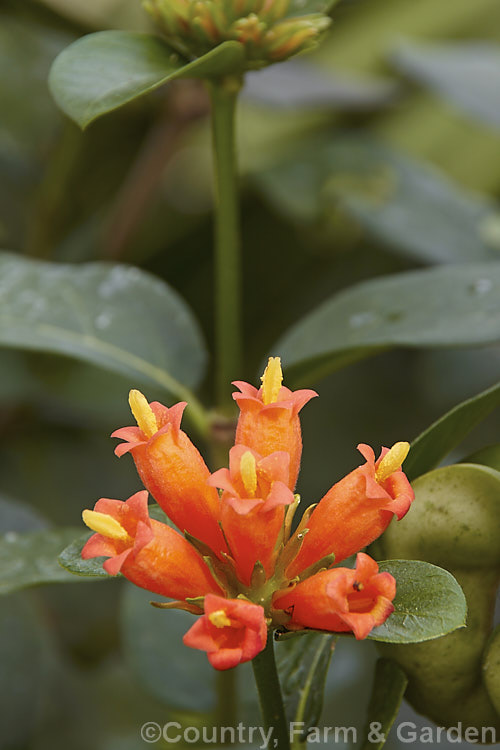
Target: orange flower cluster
239, 564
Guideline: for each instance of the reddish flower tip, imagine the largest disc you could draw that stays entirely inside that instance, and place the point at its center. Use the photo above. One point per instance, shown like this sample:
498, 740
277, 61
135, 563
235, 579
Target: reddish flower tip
386, 476
231, 631
357, 509
269, 417
253, 482
153, 419
122, 528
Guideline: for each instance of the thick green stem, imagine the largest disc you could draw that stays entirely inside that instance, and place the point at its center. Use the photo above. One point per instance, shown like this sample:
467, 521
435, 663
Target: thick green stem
228, 316
270, 698
226, 713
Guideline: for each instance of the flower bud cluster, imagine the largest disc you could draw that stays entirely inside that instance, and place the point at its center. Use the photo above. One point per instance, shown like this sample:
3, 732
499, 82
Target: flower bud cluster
266, 29
238, 563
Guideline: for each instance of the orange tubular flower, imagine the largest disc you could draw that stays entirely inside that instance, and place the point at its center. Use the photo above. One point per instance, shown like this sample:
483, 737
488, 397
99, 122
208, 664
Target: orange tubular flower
252, 506
239, 565
341, 599
231, 631
269, 420
172, 469
357, 509
147, 552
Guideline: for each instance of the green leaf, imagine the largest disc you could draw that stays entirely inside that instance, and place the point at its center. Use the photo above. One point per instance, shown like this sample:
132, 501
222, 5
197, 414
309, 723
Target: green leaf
30, 559
116, 316
303, 665
103, 71
432, 445
179, 676
305, 85
45, 556
489, 456
389, 685
465, 74
491, 668
429, 603
71, 560
407, 205
438, 307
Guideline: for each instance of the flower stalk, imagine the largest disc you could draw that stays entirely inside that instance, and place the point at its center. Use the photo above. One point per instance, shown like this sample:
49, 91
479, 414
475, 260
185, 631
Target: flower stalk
226, 711
270, 697
228, 315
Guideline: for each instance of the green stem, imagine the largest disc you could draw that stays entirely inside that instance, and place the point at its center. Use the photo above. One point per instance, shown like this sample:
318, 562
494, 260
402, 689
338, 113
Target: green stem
228, 315
226, 713
270, 698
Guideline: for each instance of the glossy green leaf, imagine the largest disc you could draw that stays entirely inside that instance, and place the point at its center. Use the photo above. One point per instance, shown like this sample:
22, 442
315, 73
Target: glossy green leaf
429, 603
465, 73
71, 560
491, 668
303, 665
438, 307
116, 316
389, 685
103, 71
302, 84
438, 440
489, 456
179, 676
409, 206
30, 559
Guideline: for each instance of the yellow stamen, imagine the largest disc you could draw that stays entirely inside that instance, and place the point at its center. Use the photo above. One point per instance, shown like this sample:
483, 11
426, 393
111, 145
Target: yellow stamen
219, 619
143, 413
392, 461
272, 380
104, 524
248, 471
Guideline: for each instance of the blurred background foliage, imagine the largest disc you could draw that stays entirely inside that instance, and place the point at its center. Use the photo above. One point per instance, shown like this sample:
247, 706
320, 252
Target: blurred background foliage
377, 154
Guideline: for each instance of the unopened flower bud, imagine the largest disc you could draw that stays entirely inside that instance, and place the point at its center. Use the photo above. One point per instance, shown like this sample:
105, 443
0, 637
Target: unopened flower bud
265, 28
